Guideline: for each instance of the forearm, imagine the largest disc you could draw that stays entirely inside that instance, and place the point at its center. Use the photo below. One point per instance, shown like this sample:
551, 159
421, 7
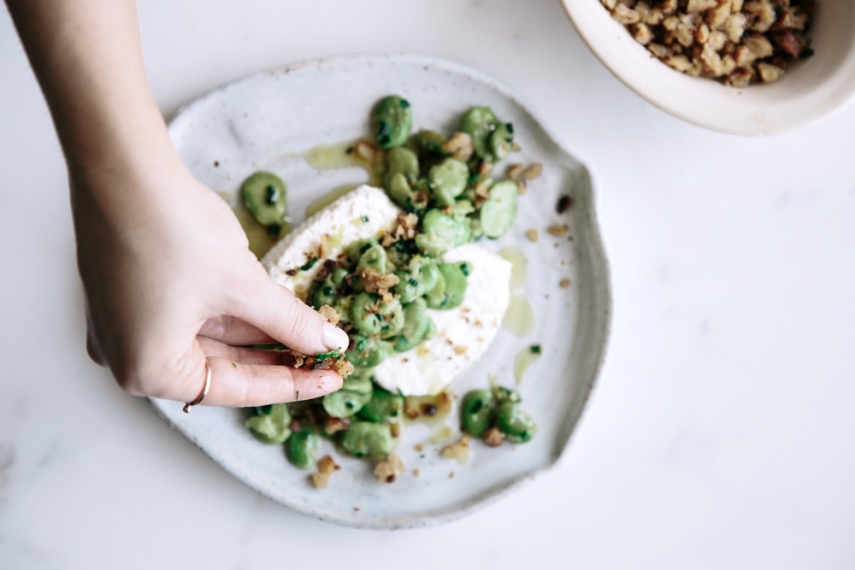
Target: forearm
87, 57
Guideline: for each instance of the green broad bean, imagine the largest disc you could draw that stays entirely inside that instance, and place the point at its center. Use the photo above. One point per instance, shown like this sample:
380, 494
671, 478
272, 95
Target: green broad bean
399, 190
344, 403
271, 425
338, 275
448, 180
373, 258
384, 407
416, 324
436, 296
323, 293
476, 228
460, 209
441, 233
342, 306
391, 120
419, 277
373, 317
480, 123
368, 351
358, 382
367, 439
500, 210
501, 141
517, 425
431, 330
454, 289
302, 448
264, 196
476, 412
404, 161
428, 143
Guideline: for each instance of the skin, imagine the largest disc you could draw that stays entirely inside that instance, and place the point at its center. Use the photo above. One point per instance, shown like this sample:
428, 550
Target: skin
168, 277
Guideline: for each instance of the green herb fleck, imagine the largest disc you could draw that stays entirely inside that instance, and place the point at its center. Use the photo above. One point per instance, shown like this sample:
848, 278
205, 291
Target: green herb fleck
331, 354
806, 53
234, 365
272, 195
535, 349
309, 264
364, 219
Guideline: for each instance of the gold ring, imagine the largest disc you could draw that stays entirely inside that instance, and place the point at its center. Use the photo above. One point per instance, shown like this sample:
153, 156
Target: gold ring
189, 405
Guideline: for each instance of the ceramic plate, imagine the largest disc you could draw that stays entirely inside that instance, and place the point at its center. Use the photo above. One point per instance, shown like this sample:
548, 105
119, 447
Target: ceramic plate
269, 120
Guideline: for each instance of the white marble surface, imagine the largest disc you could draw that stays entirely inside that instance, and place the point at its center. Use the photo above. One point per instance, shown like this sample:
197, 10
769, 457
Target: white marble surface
720, 436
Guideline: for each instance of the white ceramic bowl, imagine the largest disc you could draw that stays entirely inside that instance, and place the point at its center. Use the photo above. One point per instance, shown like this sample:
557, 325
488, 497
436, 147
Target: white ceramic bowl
811, 90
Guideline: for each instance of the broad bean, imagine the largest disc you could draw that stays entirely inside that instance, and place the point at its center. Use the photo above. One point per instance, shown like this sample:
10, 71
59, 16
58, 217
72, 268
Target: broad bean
368, 351
500, 210
419, 277
448, 180
501, 141
477, 411
302, 448
373, 317
517, 425
480, 123
404, 161
391, 120
399, 190
373, 258
367, 439
441, 233
344, 403
384, 407
264, 196
428, 143
454, 287
270, 424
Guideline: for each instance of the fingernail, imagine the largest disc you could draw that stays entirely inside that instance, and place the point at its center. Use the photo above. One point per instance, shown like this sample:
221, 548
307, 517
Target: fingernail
335, 338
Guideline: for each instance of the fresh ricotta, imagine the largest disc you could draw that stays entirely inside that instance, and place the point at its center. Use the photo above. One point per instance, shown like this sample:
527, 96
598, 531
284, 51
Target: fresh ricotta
361, 214
463, 333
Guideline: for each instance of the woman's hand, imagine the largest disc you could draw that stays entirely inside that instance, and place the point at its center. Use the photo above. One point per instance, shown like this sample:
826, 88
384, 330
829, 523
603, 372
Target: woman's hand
168, 276
170, 281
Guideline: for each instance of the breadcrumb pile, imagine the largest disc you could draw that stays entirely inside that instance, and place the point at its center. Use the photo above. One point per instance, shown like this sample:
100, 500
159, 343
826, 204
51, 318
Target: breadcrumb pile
737, 42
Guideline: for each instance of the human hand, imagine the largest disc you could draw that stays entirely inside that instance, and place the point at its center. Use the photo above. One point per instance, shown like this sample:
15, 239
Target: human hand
170, 281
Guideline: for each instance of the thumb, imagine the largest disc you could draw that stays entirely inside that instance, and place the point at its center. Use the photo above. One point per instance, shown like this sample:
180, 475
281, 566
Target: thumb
278, 312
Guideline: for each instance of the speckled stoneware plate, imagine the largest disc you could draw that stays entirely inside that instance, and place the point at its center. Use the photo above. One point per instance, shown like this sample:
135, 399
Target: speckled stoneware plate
269, 120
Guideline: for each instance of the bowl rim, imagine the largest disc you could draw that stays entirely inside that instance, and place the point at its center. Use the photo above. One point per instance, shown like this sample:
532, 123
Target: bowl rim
834, 103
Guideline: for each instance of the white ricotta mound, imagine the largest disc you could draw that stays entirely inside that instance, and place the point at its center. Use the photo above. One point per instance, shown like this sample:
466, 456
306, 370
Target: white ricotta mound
364, 213
463, 333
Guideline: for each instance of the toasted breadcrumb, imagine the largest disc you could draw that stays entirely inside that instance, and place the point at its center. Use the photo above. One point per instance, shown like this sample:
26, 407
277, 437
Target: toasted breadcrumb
459, 146
531, 235
326, 467
387, 470
457, 450
493, 437
558, 230
330, 314
737, 42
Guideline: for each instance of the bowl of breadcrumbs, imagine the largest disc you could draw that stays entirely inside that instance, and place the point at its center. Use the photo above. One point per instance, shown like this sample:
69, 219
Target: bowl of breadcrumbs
749, 67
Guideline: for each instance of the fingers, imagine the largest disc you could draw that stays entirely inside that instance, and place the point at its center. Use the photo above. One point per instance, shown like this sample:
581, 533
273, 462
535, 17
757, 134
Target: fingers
243, 377
235, 384
276, 311
232, 330
92, 349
